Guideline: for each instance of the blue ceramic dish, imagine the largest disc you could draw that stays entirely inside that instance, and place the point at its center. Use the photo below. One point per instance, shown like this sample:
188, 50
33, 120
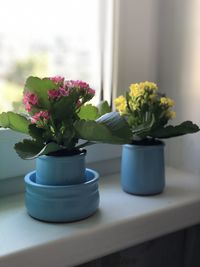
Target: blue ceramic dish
62, 203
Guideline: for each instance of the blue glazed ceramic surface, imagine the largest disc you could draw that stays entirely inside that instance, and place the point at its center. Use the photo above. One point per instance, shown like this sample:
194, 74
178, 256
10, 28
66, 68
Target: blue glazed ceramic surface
143, 169
66, 170
62, 203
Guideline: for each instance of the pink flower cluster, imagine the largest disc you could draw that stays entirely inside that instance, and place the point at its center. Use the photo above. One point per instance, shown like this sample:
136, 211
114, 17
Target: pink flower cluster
57, 79
40, 115
29, 100
80, 84
66, 86
62, 89
55, 94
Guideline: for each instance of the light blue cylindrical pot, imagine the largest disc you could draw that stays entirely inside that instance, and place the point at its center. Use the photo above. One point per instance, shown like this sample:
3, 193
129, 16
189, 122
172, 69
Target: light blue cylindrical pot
143, 169
64, 170
62, 203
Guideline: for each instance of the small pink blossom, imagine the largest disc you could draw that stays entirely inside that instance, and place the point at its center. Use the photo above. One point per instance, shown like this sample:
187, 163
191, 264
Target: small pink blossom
80, 84
57, 79
35, 118
45, 114
70, 84
29, 99
40, 115
53, 94
91, 91
63, 91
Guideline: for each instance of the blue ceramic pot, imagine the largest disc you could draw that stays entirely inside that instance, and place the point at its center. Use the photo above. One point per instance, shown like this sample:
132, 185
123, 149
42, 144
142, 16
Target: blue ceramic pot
65, 170
143, 169
62, 203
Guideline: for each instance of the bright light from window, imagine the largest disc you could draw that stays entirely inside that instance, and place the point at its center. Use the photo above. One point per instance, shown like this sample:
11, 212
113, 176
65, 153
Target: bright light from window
47, 38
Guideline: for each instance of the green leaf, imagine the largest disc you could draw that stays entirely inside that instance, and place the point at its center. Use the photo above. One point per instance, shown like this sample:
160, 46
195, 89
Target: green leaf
40, 87
88, 112
36, 133
142, 131
117, 125
186, 127
64, 107
27, 149
110, 128
30, 149
103, 108
15, 122
69, 138
94, 132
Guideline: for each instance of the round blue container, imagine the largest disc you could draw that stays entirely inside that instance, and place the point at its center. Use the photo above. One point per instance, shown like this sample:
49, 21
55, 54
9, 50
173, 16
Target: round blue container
143, 169
62, 203
65, 170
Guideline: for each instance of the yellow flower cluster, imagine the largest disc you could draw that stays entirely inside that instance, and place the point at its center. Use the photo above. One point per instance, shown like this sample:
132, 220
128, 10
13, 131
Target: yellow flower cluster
167, 101
138, 89
120, 104
147, 112
135, 90
142, 98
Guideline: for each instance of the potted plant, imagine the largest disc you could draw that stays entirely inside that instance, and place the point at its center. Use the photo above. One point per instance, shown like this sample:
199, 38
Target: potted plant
62, 188
147, 112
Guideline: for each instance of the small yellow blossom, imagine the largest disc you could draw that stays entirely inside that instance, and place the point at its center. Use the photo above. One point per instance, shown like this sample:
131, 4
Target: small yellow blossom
138, 89
134, 105
135, 90
120, 104
148, 86
167, 101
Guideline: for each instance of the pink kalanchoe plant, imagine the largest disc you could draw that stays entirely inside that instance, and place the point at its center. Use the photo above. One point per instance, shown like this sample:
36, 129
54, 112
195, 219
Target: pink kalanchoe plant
59, 116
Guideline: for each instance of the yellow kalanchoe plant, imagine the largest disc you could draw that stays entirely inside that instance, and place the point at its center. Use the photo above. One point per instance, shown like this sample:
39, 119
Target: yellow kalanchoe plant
147, 111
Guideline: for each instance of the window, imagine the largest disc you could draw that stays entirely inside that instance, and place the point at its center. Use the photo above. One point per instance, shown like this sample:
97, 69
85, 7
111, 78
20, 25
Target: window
47, 38
72, 38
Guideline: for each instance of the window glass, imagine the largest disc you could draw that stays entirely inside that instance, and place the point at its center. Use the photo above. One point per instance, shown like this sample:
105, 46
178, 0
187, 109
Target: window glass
47, 38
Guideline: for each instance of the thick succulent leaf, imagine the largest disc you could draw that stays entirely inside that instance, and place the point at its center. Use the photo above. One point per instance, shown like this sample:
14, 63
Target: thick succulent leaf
143, 130
30, 149
186, 127
96, 132
40, 87
64, 108
88, 112
103, 108
109, 128
15, 122
27, 149
36, 133
117, 125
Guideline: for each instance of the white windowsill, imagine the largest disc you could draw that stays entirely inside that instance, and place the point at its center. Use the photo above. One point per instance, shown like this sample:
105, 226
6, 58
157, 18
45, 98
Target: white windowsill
123, 220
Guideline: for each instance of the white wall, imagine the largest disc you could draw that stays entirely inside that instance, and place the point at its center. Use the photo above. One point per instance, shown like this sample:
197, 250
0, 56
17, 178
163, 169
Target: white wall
137, 42
179, 74
159, 40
